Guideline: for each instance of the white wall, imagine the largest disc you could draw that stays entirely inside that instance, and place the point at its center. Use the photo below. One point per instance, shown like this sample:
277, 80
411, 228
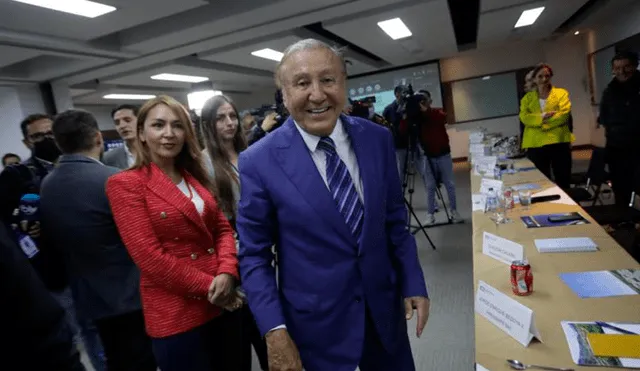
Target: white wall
15, 105
567, 56
102, 115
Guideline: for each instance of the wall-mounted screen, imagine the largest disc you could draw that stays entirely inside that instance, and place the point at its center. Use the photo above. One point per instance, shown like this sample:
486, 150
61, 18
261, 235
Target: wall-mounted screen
382, 84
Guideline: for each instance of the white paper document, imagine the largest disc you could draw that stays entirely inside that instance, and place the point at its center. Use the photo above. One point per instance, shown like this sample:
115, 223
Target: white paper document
480, 367
564, 198
486, 164
478, 202
490, 183
574, 244
507, 314
501, 249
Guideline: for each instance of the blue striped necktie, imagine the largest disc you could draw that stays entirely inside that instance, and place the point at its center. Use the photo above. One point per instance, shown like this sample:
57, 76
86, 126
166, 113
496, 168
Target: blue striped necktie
342, 188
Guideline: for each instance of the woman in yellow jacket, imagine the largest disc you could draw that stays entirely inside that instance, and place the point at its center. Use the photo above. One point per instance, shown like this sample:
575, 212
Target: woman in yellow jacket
547, 138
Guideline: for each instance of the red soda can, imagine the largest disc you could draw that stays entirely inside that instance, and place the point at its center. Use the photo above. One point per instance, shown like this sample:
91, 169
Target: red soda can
521, 278
508, 197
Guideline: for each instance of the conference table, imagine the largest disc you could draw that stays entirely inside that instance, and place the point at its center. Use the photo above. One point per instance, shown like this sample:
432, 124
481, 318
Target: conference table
552, 301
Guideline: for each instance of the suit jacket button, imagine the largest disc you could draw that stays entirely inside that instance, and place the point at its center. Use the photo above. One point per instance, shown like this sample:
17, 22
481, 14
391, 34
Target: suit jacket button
194, 256
163, 215
211, 250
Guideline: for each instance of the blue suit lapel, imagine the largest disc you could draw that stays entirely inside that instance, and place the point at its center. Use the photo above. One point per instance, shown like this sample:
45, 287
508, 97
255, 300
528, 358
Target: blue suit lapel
295, 159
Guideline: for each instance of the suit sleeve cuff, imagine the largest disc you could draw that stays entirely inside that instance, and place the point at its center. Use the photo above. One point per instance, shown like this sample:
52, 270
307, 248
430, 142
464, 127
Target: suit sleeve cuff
277, 328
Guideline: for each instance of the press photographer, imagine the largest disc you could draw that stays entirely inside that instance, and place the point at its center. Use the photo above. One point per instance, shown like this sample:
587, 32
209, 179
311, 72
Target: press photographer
365, 109
272, 120
429, 125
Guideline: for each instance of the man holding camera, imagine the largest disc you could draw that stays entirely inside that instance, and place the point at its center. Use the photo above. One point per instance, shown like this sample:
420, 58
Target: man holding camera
438, 165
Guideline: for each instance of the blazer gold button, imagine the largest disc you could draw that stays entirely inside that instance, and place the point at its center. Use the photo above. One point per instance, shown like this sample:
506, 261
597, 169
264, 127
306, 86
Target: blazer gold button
211, 250
163, 215
194, 256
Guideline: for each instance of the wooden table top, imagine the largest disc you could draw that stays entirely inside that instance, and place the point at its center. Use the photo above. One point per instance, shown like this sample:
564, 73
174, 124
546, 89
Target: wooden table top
552, 301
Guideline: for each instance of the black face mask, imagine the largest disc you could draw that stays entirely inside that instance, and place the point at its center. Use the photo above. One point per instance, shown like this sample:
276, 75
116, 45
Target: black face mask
46, 149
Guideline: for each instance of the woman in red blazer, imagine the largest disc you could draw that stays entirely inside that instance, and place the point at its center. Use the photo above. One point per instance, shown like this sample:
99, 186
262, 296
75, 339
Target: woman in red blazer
179, 239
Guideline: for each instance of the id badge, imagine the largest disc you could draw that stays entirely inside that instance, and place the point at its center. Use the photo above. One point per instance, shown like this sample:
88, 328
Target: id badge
28, 246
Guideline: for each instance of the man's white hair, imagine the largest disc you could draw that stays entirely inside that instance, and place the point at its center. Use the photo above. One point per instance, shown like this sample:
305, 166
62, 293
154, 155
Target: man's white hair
308, 44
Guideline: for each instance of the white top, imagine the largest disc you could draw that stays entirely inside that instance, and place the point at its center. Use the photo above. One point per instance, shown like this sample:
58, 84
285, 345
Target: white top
344, 150
190, 192
130, 157
543, 104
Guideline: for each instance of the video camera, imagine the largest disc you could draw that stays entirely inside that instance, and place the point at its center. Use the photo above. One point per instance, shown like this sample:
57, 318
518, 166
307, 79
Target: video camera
361, 107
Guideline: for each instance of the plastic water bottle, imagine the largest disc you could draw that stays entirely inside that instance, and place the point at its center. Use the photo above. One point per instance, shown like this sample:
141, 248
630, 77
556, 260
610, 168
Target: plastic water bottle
492, 201
497, 174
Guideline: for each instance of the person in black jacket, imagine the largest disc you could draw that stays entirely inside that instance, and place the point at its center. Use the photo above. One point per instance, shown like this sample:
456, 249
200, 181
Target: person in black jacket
35, 333
620, 116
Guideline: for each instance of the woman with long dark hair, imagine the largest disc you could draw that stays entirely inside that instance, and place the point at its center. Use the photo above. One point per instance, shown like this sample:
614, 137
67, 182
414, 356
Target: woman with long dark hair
177, 235
224, 140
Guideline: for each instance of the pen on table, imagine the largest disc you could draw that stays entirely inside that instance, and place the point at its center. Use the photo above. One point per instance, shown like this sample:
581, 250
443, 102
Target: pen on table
604, 324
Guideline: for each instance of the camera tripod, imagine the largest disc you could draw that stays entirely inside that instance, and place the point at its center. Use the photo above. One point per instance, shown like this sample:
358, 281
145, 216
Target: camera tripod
409, 178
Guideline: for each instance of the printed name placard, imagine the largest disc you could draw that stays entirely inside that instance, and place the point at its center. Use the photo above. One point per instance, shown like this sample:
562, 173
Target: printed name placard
515, 319
476, 137
478, 202
501, 249
486, 184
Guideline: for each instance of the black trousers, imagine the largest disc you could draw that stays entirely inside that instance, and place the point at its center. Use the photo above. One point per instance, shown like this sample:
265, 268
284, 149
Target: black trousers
251, 336
556, 157
126, 344
623, 170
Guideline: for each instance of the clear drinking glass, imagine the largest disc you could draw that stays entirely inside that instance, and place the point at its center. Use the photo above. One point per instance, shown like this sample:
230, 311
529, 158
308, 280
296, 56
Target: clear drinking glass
525, 198
501, 210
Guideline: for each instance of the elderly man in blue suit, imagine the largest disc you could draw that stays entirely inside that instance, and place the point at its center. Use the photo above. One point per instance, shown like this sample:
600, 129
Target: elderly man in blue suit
324, 189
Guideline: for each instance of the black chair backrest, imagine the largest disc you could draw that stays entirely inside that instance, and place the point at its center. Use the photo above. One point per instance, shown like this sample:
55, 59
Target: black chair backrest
596, 171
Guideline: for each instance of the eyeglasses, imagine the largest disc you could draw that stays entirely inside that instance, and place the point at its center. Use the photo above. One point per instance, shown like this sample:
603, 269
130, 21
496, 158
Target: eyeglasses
38, 137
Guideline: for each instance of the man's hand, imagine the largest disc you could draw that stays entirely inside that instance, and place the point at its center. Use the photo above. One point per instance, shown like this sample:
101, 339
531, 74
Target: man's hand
282, 352
269, 122
421, 305
220, 289
34, 231
548, 115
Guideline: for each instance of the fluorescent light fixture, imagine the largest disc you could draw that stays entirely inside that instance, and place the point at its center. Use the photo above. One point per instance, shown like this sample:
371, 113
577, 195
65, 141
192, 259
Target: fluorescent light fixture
529, 17
83, 8
267, 53
179, 78
395, 28
197, 99
129, 96
486, 78
577, 33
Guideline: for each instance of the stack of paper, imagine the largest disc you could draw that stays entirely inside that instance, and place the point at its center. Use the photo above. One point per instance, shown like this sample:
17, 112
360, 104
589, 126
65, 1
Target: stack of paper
579, 336
575, 244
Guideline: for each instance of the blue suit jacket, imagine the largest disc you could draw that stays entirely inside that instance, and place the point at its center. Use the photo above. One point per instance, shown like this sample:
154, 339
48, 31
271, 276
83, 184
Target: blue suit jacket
325, 277
77, 222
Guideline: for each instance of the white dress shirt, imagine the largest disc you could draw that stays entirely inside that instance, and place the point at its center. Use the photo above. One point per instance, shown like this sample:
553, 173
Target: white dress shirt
130, 157
344, 150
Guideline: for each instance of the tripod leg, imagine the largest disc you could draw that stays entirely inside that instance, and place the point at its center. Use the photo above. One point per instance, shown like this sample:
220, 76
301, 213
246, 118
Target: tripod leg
420, 226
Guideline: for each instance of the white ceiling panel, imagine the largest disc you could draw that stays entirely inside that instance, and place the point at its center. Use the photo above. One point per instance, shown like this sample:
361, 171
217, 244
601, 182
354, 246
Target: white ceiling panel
429, 22
11, 54
220, 79
242, 56
497, 26
32, 19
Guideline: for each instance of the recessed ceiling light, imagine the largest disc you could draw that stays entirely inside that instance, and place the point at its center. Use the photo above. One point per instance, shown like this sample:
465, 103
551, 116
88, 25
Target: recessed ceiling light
529, 17
83, 8
129, 96
179, 78
576, 33
267, 53
197, 99
486, 78
395, 28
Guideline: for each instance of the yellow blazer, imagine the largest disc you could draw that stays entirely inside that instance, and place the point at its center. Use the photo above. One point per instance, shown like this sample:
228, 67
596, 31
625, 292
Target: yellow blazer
555, 129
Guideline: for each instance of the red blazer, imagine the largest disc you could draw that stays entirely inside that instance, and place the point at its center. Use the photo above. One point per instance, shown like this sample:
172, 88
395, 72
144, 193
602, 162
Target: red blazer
177, 251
